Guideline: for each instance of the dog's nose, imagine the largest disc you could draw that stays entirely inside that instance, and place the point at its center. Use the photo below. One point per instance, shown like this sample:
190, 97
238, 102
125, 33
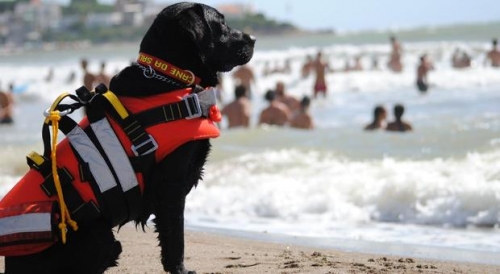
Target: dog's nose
252, 39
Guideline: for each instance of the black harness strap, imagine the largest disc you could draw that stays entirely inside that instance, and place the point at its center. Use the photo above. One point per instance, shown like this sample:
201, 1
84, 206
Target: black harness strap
77, 207
190, 107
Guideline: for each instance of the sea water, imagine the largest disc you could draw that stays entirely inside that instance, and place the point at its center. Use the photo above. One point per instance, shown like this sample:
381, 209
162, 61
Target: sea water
436, 188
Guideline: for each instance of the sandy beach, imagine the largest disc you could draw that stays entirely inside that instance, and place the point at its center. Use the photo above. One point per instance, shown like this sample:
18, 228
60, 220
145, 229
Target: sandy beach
214, 253
208, 252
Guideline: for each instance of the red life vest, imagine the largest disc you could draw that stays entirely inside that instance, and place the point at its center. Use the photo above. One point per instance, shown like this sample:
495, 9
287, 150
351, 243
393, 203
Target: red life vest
97, 176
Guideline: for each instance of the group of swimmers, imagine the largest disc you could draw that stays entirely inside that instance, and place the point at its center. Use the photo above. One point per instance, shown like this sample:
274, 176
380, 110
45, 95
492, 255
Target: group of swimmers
286, 110
90, 80
380, 117
282, 109
459, 60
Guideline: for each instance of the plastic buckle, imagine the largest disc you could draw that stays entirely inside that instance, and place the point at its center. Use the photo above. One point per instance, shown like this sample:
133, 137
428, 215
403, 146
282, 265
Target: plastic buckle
46, 113
197, 112
150, 140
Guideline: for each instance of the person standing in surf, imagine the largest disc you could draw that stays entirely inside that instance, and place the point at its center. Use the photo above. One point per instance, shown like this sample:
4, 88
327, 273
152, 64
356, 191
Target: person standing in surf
7, 106
89, 79
244, 76
320, 67
422, 70
395, 58
493, 55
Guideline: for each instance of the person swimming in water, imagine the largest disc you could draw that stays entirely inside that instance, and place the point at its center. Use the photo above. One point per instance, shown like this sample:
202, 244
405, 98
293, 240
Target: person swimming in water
302, 118
276, 113
238, 111
379, 116
398, 124
290, 101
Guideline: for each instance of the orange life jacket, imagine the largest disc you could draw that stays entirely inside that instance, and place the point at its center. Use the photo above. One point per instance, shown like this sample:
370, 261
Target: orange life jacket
96, 164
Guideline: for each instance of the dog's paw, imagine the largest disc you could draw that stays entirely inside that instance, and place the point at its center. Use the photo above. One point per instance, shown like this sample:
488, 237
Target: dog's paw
180, 269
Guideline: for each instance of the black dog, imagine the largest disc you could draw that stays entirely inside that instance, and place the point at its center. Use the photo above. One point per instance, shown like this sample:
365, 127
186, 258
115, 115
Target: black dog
193, 37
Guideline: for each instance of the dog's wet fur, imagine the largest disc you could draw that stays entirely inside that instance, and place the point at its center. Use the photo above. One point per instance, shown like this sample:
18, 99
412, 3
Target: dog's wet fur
193, 37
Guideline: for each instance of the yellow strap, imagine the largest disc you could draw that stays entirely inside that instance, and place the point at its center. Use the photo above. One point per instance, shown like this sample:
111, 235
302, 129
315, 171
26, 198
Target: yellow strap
54, 117
36, 158
111, 97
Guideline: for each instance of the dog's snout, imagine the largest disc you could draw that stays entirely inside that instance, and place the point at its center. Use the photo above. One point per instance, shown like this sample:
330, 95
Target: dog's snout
251, 38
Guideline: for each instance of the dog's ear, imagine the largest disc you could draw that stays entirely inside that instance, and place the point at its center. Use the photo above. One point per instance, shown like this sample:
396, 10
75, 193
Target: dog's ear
194, 24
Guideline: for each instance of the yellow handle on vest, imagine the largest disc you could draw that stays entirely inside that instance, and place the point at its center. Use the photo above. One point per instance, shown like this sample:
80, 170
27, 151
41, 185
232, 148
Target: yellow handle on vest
111, 97
54, 117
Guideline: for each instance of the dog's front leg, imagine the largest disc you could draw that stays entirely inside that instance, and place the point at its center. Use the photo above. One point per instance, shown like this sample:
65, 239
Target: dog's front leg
170, 227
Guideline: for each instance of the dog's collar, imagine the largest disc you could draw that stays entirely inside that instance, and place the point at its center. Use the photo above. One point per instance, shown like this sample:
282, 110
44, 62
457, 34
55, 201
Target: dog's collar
185, 76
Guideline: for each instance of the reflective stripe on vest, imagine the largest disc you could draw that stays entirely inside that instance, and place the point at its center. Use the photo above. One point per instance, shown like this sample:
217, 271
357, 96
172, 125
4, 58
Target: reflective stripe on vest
116, 154
29, 222
26, 226
90, 154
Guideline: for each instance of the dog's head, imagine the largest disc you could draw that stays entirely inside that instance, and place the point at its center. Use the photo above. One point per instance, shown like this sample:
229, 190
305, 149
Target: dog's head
195, 37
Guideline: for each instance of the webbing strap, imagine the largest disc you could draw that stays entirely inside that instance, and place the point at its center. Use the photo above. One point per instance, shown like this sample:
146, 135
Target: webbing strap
194, 105
142, 142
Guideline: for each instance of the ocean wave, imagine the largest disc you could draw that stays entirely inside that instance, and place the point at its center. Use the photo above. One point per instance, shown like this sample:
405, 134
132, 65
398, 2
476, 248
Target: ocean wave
312, 186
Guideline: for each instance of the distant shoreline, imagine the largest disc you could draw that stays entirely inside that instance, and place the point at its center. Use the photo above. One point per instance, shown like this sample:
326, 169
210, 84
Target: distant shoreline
478, 32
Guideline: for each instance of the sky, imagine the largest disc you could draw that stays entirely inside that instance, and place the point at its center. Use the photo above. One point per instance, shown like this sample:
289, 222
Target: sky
356, 15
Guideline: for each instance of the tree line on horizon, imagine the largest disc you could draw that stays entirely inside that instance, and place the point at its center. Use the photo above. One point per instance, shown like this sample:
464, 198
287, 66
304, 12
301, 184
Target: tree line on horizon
254, 23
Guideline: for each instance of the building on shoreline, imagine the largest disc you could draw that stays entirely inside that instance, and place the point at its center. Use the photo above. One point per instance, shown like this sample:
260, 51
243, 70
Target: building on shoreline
26, 22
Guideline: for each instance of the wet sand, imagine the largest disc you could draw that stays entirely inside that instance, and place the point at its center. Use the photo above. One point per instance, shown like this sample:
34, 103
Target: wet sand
208, 252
